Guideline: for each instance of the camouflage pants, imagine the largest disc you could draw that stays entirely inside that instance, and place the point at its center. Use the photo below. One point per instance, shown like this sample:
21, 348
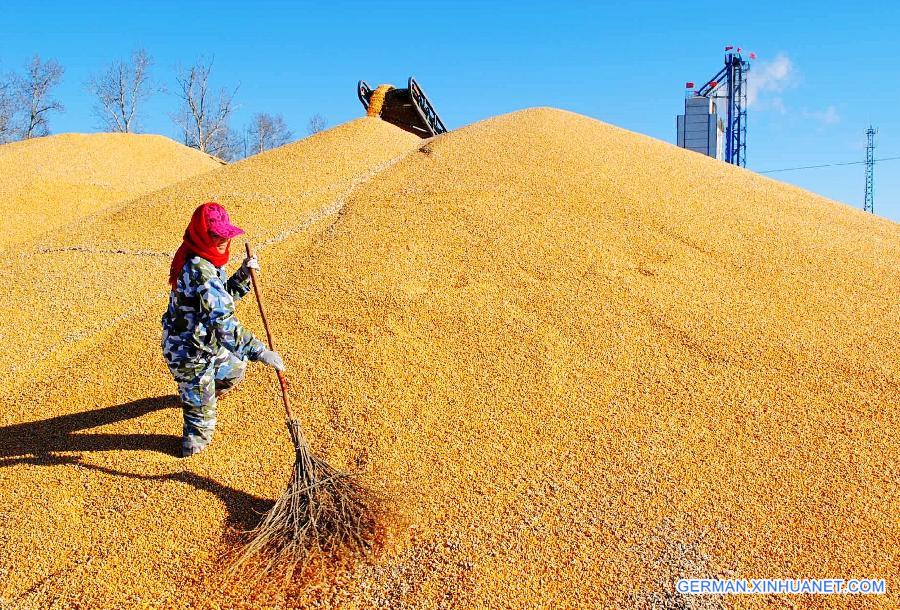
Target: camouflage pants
197, 387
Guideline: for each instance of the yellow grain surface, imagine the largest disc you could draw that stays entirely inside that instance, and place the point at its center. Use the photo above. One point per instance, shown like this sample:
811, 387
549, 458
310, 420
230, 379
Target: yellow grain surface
47, 182
81, 280
585, 362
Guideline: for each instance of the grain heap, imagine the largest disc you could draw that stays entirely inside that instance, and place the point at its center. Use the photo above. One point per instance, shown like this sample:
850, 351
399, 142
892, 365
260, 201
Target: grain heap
118, 256
587, 362
47, 182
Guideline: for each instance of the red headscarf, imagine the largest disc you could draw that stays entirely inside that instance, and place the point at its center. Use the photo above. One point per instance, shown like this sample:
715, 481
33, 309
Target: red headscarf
197, 241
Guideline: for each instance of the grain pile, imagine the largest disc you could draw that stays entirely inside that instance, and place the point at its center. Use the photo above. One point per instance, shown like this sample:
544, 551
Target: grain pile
75, 284
47, 182
586, 363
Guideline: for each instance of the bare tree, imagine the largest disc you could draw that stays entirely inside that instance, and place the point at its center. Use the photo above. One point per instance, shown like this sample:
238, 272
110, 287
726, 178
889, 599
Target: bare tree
267, 131
204, 116
32, 93
120, 90
316, 124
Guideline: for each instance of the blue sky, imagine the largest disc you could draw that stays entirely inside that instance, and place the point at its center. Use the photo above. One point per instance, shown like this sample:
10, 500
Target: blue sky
825, 69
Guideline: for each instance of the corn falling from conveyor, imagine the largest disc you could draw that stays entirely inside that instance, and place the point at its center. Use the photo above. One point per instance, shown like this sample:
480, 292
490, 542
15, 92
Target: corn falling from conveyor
409, 109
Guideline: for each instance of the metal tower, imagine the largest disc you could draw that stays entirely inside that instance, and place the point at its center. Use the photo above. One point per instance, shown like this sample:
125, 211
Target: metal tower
736, 128
869, 204
730, 86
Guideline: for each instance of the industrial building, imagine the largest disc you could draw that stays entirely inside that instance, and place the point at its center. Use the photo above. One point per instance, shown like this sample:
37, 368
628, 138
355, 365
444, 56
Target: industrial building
714, 122
700, 128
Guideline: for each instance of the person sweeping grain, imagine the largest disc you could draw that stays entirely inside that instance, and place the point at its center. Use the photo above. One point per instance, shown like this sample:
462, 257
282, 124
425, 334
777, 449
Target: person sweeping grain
204, 344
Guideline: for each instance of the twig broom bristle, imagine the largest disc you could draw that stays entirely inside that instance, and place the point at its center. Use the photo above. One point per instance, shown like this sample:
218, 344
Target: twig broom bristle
322, 511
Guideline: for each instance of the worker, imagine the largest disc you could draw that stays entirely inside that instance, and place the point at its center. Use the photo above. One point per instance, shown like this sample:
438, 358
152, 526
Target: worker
204, 344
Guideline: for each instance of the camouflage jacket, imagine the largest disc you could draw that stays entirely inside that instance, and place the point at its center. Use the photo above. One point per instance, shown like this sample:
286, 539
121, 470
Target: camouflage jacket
201, 318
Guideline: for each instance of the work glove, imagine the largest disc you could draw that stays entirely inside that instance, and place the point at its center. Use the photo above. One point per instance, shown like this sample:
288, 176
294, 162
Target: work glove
272, 358
249, 263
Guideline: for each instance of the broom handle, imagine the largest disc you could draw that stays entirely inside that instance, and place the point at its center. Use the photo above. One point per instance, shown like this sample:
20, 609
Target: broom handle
262, 313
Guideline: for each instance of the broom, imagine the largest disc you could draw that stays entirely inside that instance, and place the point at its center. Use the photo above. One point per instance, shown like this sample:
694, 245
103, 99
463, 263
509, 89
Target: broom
323, 510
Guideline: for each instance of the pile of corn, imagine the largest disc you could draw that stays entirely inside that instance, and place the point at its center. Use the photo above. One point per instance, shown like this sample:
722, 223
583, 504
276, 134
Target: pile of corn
376, 100
47, 182
75, 284
583, 362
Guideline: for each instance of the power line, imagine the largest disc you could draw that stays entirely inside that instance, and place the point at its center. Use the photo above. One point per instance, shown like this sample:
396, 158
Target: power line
790, 169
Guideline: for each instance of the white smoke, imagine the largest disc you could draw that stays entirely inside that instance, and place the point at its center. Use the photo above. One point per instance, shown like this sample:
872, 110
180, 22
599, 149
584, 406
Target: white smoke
767, 78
